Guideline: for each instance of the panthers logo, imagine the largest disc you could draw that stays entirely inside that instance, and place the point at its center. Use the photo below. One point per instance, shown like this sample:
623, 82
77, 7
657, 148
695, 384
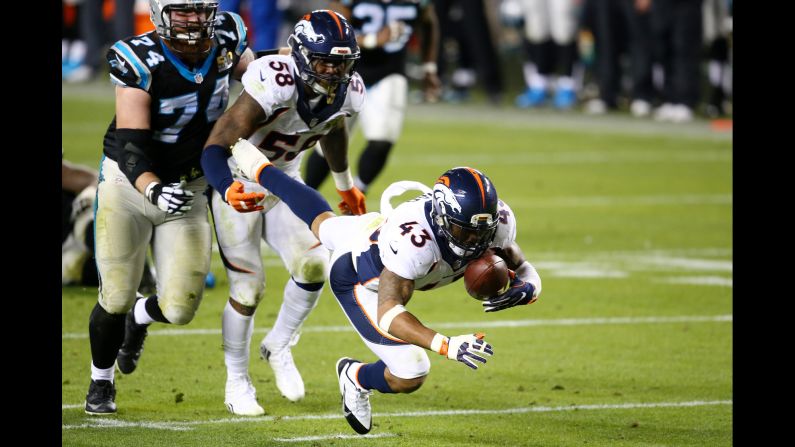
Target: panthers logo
304, 27
444, 196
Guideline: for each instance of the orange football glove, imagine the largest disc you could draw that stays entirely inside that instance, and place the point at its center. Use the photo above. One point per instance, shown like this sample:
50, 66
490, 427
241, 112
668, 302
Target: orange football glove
352, 201
243, 202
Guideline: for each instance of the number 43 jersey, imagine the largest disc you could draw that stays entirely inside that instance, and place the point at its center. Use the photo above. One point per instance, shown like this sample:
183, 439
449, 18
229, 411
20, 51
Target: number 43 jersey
285, 134
408, 245
186, 101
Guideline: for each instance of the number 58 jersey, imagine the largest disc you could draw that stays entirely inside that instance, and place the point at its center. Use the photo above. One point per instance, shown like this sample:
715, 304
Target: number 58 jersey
286, 133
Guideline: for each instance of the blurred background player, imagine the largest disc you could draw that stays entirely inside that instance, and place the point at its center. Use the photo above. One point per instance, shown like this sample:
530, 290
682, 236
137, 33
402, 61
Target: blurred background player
172, 84
620, 28
265, 18
289, 103
383, 30
550, 28
78, 194
78, 190
378, 262
677, 38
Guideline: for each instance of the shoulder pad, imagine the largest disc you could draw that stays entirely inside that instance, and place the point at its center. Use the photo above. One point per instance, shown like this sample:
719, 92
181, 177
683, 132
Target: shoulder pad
356, 94
407, 250
231, 32
266, 80
132, 60
506, 228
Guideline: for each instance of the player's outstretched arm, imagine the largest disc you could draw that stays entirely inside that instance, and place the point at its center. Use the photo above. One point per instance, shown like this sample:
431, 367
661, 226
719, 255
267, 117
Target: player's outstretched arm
303, 201
237, 122
393, 318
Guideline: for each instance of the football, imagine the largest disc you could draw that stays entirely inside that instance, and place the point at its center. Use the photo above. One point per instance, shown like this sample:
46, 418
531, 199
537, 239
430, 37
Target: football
486, 276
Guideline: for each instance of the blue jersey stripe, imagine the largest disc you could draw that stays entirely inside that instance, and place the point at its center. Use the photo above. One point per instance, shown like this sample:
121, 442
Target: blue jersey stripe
343, 281
241, 33
137, 66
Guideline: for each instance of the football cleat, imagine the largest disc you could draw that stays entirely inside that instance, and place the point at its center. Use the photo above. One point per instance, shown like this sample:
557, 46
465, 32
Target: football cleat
241, 396
355, 401
100, 397
133, 345
532, 97
288, 379
565, 98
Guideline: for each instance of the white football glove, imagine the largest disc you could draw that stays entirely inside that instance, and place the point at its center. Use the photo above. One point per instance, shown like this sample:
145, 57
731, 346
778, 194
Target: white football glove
249, 158
172, 198
467, 349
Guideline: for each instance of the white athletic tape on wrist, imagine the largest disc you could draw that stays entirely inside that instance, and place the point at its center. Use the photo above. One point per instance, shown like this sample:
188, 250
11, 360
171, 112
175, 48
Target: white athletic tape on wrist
527, 273
249, 158
390, 315
343, 180
148, 189
438, 341
370, 41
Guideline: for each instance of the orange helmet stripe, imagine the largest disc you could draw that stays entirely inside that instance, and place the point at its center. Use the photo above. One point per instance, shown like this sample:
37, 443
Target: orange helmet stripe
480, 185
336, 19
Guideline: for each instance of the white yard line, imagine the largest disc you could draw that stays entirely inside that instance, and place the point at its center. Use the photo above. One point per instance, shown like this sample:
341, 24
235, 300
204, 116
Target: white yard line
113, 422
337, 436
468, 324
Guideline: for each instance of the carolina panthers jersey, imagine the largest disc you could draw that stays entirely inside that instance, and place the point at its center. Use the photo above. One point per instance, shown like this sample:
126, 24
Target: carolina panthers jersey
284, 135
186, 101
406, 243
369, 16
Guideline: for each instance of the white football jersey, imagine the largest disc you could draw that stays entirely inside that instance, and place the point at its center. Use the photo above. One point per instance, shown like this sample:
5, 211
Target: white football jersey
407, 245
284, 135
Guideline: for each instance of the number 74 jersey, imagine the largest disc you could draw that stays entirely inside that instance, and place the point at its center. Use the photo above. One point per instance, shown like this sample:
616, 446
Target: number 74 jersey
284, 135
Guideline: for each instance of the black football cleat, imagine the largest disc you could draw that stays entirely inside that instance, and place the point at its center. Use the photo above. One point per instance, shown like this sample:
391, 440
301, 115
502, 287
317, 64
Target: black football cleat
133, 345
100, 398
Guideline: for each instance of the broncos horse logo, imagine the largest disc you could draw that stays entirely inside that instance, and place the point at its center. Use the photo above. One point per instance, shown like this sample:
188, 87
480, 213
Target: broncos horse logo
444, 196
305, 27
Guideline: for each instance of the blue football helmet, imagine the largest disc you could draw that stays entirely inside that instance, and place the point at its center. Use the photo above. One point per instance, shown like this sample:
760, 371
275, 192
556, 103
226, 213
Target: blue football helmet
325, 52
465, 211
185, 34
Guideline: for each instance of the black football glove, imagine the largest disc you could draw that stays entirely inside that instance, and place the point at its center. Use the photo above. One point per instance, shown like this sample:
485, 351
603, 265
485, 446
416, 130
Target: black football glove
519, 293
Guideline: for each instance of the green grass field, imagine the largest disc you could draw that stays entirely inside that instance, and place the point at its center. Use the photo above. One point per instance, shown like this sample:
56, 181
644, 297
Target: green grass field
629, 224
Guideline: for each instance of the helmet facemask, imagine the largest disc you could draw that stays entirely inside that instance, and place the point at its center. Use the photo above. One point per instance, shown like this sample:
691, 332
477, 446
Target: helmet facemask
323, 73
468, 240
188, 27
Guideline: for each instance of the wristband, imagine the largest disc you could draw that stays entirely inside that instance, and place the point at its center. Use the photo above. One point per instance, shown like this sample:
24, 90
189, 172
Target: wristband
439, 344
343, 180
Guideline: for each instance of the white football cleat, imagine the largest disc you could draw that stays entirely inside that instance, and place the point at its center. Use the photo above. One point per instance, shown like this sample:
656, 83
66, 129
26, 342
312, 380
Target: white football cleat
288, 379
355, 401
241, 396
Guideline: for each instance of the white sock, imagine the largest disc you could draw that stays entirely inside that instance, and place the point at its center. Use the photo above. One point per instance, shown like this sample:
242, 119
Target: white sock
141, 315
565, 83
101, 374
236, 330
295, 309
538, 81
